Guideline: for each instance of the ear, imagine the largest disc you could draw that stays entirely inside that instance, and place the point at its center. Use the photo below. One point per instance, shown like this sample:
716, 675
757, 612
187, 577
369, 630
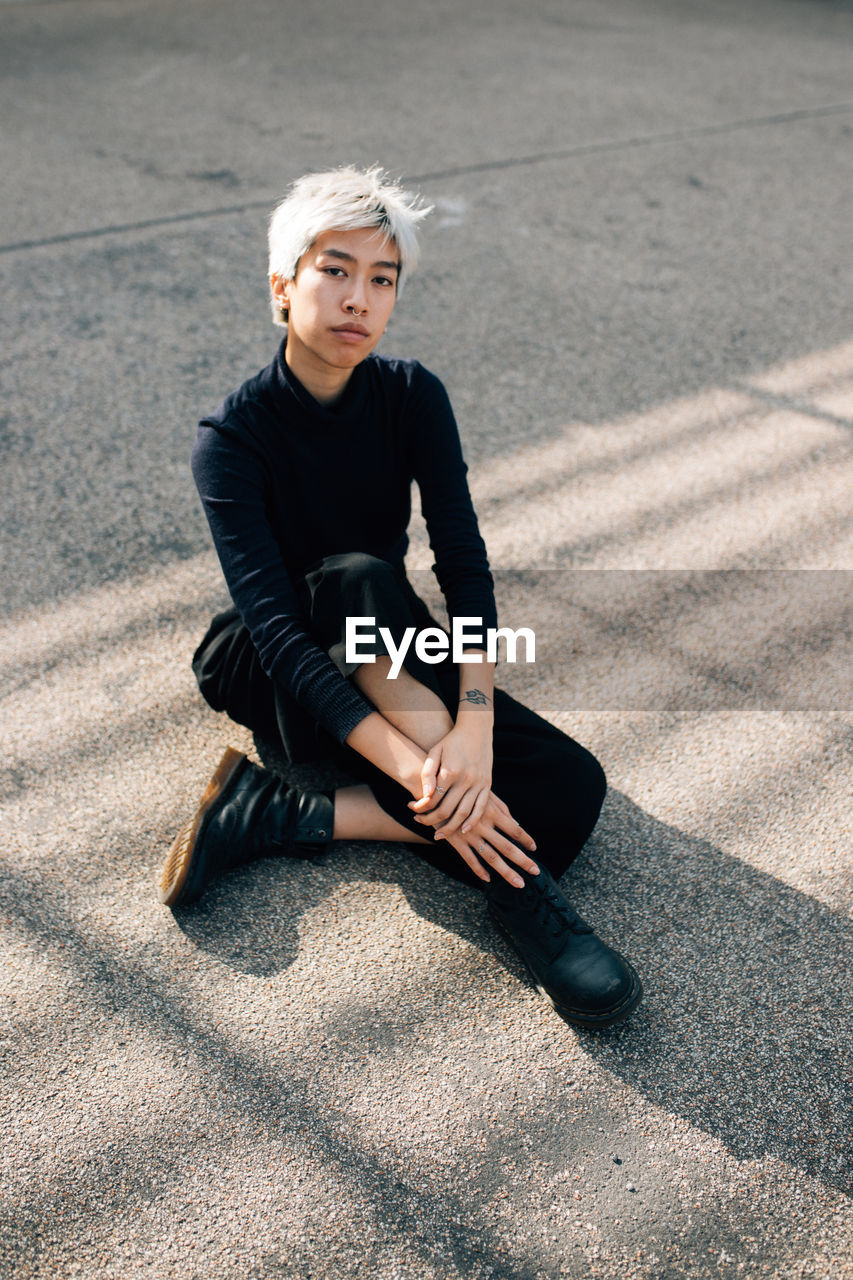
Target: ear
279, 287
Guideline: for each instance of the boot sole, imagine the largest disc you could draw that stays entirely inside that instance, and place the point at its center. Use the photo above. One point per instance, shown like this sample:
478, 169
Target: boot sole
175, 878
579, 1017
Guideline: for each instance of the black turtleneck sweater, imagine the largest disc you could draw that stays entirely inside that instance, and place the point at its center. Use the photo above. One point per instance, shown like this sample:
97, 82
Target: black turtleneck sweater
286, 481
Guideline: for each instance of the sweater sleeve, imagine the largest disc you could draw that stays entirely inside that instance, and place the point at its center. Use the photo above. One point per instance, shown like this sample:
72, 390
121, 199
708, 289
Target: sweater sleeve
461, 564
232, 484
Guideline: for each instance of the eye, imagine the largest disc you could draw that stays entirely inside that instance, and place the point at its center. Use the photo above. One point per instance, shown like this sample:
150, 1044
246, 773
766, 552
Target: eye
383, 280
332, 271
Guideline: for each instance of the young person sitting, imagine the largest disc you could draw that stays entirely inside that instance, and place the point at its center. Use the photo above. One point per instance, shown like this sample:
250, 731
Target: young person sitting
305, 476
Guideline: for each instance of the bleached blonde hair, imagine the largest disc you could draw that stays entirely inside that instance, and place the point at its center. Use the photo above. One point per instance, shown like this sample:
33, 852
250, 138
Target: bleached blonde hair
342, 200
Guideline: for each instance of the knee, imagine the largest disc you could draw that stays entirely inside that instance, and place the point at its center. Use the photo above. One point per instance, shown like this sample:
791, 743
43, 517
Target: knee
230, 676
221, 658
591, 789
570, 829
596, 783
354, 566
579, 777
353, 580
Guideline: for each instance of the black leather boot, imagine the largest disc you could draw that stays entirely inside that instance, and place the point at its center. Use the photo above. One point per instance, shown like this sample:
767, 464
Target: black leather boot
588, 984
245, 813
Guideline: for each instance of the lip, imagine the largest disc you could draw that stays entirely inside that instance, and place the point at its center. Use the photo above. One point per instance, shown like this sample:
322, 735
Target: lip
352, 332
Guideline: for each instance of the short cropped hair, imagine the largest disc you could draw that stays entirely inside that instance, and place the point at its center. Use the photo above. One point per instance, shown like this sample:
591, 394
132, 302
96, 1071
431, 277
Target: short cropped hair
342, 200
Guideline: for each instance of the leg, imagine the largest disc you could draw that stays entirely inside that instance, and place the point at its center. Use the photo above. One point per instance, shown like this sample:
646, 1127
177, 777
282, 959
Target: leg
554, 787
358, 816
545, 773
587, 982
416, 702
551, 784
230, 677
245, 812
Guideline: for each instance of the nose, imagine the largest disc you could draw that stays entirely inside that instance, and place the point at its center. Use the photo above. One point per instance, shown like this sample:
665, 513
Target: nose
357, 299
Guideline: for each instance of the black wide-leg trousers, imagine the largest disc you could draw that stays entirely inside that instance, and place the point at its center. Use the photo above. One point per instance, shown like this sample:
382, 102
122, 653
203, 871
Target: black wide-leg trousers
551, 784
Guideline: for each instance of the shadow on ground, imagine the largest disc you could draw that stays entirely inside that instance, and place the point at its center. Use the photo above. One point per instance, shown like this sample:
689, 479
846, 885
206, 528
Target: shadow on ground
740, 1033
745, 1028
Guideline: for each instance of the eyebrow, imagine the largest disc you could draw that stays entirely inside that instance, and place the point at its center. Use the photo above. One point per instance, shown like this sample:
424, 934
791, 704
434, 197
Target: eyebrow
347, 257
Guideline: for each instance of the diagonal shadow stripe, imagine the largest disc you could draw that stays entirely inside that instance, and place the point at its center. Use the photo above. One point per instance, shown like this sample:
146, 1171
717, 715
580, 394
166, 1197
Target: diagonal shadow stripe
281, 1102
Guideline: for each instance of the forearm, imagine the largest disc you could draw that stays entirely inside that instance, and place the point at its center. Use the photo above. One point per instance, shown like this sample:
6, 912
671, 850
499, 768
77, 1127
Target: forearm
476, 710
465, 802
382, 744
399, 757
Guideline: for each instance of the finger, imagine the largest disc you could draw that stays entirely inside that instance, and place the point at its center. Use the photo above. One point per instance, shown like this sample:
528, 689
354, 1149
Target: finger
425, 803
443, 810
516, 831
491, 856
510, 826
429, 770
512, 852
461, 813
477, 812
441, 786
470, 858
511, 877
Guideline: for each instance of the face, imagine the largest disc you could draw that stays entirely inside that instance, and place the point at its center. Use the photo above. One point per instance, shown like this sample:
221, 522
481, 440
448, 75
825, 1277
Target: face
340, 301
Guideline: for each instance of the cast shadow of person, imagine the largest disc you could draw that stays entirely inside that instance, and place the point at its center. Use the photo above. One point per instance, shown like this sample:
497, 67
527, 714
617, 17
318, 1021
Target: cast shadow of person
745, 1028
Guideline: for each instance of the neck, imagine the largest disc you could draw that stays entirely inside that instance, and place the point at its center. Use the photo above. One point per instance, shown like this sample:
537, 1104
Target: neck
325, 384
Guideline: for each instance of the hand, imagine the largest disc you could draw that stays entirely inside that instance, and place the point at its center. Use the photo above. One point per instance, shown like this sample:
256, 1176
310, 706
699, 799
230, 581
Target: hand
485, 842
455, 779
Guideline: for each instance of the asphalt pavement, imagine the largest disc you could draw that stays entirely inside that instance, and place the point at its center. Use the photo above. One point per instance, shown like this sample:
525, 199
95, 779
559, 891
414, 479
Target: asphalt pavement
636, 286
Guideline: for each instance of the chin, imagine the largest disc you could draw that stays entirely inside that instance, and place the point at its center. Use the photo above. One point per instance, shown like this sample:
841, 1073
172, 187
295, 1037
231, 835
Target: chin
349, 359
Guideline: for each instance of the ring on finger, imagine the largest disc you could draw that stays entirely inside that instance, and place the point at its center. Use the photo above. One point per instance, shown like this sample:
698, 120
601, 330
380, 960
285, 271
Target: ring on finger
481, 846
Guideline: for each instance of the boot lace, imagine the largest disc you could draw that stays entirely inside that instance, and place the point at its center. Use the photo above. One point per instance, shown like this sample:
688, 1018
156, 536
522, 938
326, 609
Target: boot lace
556, 915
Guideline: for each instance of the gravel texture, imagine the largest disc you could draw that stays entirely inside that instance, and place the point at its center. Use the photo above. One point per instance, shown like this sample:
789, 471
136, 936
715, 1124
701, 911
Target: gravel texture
636, 286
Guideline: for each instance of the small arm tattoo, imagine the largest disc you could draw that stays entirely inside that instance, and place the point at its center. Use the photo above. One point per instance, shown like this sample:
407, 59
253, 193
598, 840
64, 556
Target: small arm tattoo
476, 696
